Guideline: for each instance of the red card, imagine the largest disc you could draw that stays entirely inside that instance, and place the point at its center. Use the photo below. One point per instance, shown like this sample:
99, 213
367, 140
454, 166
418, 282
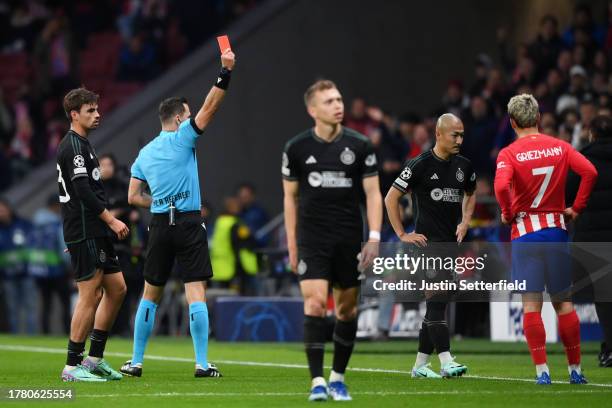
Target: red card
224, 43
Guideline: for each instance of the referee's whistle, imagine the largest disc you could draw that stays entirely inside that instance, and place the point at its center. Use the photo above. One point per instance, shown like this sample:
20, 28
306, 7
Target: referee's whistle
172, 214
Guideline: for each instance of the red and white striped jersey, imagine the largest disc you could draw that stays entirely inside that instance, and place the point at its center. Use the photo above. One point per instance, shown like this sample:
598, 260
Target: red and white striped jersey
530, 182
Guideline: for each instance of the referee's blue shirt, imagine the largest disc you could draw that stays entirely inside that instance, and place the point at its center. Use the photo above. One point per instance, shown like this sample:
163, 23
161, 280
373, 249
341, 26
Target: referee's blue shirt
168, 164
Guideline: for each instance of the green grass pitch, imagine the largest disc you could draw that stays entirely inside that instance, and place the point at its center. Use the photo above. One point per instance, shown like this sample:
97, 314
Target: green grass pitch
274, 375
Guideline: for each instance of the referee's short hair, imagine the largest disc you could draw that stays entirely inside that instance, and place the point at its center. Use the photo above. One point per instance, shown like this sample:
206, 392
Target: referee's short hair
76, 98
523, 109
170, 107
319, 85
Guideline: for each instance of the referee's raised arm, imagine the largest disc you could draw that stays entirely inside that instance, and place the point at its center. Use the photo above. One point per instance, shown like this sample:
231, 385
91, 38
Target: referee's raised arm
216, 94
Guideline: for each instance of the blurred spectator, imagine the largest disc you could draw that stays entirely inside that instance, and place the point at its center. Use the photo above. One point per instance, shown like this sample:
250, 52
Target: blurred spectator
453, 100
252, 214
19, 285
583, 21
54, 58
233, 260
580, 136
137, 60
49, 263
480, 133
359, 119
421, 141
546, 47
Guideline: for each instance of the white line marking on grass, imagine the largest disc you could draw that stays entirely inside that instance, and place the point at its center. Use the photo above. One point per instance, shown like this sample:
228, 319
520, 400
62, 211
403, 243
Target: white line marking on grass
9, 347
301, 394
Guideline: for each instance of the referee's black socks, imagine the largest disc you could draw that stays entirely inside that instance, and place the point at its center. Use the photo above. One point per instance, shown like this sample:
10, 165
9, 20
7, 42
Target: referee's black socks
344, 341
314, 343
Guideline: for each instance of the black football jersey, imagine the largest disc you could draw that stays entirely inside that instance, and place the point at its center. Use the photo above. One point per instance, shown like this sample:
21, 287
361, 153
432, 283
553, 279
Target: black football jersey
437, 187
330, 176
76, 158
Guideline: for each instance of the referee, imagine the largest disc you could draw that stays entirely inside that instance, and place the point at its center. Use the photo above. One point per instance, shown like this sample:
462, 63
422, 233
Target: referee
442, 184
168, 165
326, 171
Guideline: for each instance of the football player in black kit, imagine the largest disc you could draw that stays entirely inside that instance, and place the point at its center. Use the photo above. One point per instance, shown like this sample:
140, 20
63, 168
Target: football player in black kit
87, 228
327, 172
442, 184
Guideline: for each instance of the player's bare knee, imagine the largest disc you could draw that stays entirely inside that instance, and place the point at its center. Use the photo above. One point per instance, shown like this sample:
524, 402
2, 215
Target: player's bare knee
346, 312
315, 306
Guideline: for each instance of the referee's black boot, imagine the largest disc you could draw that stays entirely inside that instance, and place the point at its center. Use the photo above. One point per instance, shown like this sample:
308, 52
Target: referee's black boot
211, 371
128, 369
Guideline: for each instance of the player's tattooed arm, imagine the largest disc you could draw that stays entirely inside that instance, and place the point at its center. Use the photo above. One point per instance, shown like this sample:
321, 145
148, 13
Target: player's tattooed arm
467, 210
137, 195
290, 207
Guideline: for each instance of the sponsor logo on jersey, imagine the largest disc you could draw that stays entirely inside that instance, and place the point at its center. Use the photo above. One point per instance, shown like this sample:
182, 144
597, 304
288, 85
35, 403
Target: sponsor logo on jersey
102, 256
434, 177
406, 174
448, 195
539, 154
78, 161
329, 179
473, 176
95, 174
311, 160
370, 160
460, 176
501, 165
347, 156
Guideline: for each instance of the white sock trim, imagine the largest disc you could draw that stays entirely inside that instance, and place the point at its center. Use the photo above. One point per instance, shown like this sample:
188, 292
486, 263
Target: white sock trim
318, 381
542, 368
421, 360
574, 367
445, 357
334, 376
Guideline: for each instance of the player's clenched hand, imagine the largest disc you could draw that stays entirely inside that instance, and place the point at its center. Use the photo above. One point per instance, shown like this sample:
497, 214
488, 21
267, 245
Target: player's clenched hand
414, 238
119, 228
228, 59
368, 253
504, 220
570, 214
461, 231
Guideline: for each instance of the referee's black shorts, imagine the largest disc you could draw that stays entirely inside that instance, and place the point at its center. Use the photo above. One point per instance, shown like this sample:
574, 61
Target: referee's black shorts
186, 242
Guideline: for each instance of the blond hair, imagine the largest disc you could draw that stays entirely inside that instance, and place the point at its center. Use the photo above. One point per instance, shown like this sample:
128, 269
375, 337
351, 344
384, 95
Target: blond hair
320, 85
523, 109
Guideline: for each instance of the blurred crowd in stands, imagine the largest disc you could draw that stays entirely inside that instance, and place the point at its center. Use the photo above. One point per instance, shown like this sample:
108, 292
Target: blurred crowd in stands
567, 69
113, 47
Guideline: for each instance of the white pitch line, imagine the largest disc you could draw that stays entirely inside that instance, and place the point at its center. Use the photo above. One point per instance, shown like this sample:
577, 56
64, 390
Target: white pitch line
10, 347
301, 394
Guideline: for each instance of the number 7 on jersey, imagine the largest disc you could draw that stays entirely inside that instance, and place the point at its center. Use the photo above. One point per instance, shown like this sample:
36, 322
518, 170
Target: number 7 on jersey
547, 172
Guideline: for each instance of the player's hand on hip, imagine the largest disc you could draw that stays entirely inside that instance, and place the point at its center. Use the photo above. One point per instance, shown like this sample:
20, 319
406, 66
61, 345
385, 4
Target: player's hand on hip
119, 228
570, 214
368, 253
228, 60
462, 230
414, 238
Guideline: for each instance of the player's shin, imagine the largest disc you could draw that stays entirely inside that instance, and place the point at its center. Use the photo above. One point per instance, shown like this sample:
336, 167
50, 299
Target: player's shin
314, 344
569, 331
533, 327
344, 341
143, 327
198, 325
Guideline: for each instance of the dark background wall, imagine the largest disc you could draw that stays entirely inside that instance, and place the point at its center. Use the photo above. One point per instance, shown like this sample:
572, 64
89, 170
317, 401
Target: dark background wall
400, 54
